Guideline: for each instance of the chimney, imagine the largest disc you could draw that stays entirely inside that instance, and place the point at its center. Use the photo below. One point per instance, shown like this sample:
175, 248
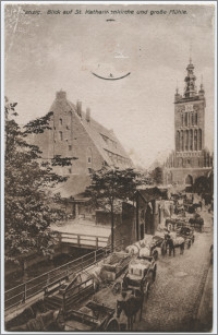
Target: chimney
61, 95
79, 108
88, 112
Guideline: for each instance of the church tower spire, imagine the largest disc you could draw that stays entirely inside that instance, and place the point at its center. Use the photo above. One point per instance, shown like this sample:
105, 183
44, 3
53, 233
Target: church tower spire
190, 89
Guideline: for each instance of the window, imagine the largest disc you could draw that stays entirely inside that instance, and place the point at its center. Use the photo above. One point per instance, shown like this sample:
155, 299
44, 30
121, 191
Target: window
60, 122
67, 127
89, 170
61, 135
196, 118
186, 119
89, 160
70, 170
70, 147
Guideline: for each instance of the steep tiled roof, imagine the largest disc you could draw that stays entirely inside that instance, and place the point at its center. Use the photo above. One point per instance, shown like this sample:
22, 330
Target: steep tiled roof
104, 139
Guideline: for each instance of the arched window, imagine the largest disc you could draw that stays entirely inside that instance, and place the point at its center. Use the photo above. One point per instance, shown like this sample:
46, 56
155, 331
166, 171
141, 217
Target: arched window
189, 180
191, 139
186, 119
200, 139
181, 141
89, 156
178, 140
186, 140
195, 140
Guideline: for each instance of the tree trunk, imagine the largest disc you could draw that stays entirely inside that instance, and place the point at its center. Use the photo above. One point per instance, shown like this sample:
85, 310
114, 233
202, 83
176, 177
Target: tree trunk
112, 228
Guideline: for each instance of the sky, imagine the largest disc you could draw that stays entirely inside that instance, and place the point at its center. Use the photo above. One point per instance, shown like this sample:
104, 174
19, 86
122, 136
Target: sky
45, 53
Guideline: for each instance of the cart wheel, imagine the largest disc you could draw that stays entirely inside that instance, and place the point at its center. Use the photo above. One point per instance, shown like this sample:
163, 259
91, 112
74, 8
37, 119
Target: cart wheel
146, 290
169, 226
154, 273
163, 248
155, 255
189, 244
113, 325
116, 289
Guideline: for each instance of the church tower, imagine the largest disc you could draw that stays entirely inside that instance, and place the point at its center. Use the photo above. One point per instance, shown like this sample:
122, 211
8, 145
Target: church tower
190, 159
190, 122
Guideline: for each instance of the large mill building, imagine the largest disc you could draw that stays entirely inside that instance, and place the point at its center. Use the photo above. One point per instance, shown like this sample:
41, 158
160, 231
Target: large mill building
190, 159
74, 133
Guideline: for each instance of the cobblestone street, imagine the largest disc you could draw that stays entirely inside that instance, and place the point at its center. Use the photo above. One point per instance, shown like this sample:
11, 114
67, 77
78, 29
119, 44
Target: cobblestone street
176, 294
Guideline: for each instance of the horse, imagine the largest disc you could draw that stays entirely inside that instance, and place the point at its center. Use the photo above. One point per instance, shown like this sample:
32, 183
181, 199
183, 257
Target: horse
42, 322
174, 243
131, 306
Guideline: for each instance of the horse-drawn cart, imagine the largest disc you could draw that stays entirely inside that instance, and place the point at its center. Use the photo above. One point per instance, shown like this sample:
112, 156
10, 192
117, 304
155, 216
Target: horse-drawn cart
141, 274
91, 317
114, 265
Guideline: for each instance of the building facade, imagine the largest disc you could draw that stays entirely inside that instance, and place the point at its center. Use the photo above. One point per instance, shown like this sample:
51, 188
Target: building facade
75, 134
190, 159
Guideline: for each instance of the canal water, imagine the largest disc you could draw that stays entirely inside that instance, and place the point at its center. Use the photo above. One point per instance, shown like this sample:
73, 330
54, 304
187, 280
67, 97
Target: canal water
14, 273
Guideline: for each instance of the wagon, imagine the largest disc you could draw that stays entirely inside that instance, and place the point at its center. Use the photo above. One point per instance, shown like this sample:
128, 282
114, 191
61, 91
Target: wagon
187, 233
147, 247
197, 222
114, 265
141, 274
175, 222
91, 317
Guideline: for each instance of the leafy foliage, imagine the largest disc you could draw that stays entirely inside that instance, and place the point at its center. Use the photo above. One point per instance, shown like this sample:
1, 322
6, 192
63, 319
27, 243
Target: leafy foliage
204, 185
109, 187
28, 185
157, 175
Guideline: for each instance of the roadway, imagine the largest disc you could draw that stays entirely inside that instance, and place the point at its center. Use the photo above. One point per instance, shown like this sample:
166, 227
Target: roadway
177, 300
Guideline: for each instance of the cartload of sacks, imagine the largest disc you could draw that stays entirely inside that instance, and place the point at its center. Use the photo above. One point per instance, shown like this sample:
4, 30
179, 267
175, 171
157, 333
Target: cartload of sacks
141, 248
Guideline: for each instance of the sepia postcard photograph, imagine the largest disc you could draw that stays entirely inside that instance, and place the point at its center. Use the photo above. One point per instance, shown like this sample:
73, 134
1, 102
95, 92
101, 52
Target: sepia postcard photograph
109, 167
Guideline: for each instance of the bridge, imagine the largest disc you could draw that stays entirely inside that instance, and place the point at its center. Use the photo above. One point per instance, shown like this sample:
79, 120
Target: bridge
83, 240
83, 234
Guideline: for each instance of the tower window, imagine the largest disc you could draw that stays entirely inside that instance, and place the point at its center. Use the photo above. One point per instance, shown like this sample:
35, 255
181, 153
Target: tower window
61, 135
186, 119
60, 122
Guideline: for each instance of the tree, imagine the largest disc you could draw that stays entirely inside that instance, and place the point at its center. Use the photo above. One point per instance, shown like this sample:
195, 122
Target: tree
157, 175
109, 187
204, 186
28, 185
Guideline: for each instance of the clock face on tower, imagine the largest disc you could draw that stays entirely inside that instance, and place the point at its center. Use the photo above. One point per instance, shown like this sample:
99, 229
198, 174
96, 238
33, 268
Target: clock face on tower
188, 108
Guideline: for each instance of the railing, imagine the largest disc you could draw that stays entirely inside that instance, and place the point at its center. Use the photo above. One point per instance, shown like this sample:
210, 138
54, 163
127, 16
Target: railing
84, 240
41, 284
